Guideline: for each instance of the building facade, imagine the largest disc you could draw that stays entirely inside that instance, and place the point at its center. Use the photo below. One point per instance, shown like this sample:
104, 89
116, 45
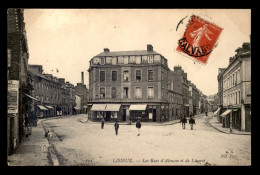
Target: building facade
131, 85
237, 90
17, 77
55, 97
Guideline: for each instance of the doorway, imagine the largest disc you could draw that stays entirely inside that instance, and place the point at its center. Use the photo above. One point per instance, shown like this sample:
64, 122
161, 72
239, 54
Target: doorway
108, 116
154, 115
124, 115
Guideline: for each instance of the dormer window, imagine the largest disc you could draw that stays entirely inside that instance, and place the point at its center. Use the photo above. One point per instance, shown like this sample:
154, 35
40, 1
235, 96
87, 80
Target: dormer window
102, 60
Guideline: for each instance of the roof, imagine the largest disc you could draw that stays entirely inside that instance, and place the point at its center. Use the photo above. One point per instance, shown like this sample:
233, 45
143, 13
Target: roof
127, 53
37, 73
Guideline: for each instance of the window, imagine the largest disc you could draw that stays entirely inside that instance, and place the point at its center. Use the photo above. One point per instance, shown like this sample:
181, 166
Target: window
114, 75
238, 97
9, 57
102, 60
235, 97
238, 76
150, 59
150, 92
102, 93
138, 75
102, 76
126, 76
233, 79
125, 92
113, 92
150, 75
138, 92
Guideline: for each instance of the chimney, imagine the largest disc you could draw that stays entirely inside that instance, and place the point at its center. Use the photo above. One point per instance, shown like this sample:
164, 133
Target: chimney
106, 50
246, 46
82, 78
149, 47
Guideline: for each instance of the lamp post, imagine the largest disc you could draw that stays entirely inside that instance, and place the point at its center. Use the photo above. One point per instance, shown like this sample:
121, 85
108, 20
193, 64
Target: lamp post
230, 106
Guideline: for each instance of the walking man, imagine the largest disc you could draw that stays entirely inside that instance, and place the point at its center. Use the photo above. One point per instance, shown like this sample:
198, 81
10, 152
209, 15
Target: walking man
138, 126
183, 121
116, 127
191, 122
102, 123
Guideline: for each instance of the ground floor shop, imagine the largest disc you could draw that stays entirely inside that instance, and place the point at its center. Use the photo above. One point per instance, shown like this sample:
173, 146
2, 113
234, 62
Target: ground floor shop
130, 112
239, 117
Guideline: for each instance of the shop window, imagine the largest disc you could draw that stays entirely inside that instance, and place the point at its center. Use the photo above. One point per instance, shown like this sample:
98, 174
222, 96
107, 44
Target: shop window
113, 114
102, 76
138, 75
102, 93
150, 75
114, 75
126, 76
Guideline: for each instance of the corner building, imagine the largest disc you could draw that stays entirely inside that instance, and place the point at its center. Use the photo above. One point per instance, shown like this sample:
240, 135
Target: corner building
129, 85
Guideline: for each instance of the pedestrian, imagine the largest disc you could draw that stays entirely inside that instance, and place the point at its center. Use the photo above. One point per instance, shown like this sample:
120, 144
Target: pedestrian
206, 113
191, 122
102, 123
116, 127
26, 132
183, 121
138, 126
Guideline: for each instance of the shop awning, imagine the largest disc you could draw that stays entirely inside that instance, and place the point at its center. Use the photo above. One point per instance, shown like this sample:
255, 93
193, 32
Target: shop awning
226, 112
98, 107
216, 111
137, 107
49, 107
113, 107
42, 107
31, 97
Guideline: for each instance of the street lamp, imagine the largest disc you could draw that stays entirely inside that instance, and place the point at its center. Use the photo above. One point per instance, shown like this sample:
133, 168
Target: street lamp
230, 123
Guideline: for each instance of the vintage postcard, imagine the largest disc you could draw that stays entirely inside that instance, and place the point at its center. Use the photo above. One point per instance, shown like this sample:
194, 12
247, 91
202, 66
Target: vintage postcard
129, 87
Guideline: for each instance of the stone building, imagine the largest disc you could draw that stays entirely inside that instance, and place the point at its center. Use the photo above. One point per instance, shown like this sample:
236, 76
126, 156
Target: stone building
17, 77
129, 84
237, 90
55, 97
175, 94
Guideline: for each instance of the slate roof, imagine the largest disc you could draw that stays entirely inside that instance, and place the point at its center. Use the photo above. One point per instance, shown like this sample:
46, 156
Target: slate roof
127, 53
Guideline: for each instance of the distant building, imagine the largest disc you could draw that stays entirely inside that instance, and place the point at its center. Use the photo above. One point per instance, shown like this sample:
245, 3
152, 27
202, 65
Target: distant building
82, 91
55, 97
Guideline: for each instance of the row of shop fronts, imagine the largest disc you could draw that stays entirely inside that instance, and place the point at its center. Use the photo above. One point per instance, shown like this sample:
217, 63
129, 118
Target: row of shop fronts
127, 112
238, 117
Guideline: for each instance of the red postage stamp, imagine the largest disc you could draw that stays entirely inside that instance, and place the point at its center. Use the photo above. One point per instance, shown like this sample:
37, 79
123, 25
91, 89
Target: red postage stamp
199, 39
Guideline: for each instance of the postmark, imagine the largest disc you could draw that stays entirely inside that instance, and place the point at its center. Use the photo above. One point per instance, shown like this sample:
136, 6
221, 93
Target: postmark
199, 39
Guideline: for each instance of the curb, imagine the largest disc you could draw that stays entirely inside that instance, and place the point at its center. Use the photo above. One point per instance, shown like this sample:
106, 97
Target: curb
53, 157
224, 131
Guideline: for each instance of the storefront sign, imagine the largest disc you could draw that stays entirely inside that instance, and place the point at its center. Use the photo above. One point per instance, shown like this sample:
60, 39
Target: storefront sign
12, 96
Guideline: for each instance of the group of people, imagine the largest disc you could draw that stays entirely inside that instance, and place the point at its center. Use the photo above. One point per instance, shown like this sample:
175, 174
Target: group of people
116, 125
183, 121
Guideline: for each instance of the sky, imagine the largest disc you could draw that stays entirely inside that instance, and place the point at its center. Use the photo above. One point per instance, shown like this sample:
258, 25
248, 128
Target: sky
66, 39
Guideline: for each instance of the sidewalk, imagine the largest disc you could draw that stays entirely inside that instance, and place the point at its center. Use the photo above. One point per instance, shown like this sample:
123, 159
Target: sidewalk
218, 126
33, 152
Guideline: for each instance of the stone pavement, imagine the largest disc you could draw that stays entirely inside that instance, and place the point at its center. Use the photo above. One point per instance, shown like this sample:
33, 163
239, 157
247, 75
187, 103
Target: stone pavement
218, 126
33, 152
